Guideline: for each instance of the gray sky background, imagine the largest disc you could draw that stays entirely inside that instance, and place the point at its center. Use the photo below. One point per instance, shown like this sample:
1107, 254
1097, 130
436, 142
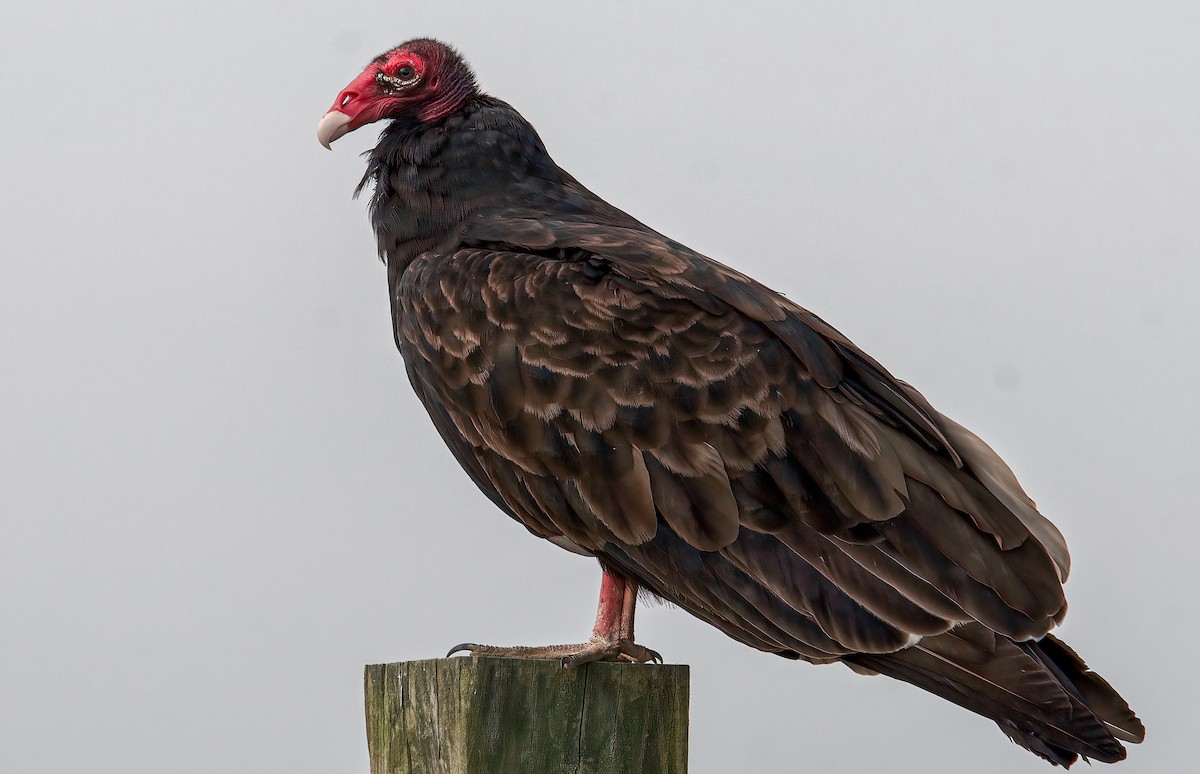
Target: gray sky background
219, 498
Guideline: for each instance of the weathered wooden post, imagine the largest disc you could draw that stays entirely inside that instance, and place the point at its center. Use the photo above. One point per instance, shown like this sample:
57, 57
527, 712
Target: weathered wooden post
507, 716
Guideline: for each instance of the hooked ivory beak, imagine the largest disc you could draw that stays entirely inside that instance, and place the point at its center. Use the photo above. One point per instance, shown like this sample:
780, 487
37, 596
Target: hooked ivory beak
332, 125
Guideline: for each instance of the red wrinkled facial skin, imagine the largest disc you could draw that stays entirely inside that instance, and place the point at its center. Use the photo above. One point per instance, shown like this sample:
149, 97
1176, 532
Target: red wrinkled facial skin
440, 84
365, 101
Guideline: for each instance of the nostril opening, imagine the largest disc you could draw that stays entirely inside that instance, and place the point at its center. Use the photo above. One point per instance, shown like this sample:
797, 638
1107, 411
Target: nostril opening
347, 96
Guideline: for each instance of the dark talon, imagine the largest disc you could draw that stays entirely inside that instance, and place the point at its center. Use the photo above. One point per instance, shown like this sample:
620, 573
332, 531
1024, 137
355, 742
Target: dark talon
467, 646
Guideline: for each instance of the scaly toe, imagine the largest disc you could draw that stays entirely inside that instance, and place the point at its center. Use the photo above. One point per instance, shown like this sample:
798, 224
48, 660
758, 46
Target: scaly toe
548, 652
623, 651
596, 650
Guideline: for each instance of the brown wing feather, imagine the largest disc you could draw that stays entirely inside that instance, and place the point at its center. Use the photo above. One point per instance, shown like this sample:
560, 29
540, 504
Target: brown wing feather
630, 401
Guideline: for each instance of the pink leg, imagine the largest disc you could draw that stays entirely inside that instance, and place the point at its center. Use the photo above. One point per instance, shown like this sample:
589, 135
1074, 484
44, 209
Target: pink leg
610, 610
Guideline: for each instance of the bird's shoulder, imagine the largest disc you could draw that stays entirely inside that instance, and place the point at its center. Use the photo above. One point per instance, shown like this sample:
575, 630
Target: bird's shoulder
605, 276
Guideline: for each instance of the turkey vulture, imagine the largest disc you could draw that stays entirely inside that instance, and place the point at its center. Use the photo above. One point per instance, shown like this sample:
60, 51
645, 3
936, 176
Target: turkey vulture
703, 437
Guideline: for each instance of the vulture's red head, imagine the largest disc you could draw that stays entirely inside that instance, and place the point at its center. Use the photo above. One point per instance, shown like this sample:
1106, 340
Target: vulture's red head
422, 79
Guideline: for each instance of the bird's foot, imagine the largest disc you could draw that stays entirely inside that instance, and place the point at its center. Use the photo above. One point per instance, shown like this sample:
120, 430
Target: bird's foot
595, 649
624, 651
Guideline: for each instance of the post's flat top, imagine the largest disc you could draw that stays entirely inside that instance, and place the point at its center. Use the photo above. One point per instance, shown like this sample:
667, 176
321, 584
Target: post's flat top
517, 663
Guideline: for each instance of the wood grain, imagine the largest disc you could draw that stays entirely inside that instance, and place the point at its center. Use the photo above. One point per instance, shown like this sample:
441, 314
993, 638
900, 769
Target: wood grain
494, 716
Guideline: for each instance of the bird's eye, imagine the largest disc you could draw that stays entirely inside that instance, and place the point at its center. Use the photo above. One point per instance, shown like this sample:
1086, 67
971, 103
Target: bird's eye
399, 79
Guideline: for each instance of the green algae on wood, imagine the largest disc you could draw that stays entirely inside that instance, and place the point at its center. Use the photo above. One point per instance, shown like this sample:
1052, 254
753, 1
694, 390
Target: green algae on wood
496, 716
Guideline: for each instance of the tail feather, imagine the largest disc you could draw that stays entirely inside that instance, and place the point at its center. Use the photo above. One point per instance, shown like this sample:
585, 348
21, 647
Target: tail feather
1090, 688
1041, 694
